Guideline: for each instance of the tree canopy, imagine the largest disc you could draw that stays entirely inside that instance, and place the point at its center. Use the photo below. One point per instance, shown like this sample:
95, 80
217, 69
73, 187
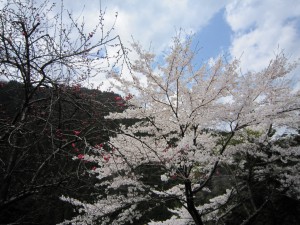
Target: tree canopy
206, 136
46, 117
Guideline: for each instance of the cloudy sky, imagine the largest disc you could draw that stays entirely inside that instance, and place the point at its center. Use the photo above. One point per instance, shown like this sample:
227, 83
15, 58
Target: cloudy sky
251, 30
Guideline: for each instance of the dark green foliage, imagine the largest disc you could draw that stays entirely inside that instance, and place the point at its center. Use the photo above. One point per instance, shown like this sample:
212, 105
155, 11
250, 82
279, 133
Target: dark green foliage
39, 152
261, 200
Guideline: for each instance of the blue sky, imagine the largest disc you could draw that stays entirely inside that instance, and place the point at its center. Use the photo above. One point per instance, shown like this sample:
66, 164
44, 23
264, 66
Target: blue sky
214, 39
253, 31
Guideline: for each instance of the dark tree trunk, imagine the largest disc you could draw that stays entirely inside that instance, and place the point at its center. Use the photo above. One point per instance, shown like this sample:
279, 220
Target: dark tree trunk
190, 203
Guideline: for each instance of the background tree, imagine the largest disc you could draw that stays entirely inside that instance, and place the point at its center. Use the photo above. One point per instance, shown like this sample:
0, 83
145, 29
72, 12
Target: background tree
46, 117
195, 130
265, 170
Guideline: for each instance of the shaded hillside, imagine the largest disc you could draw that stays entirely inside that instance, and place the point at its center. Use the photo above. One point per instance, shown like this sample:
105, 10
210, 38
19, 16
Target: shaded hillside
36, 155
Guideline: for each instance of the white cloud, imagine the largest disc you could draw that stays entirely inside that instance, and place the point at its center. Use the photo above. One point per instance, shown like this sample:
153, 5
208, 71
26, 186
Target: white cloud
154, 21
262, 29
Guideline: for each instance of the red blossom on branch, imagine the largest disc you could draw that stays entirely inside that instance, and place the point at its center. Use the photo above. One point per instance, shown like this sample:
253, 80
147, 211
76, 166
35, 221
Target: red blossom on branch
99, 146
120, 104
59, 134
80, 156
118, 98
76, 132
128, 97
106, 158
174, 177
76, 87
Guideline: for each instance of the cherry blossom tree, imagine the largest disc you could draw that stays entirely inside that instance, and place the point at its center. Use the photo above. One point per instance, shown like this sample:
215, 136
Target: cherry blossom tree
46, 55
198, 142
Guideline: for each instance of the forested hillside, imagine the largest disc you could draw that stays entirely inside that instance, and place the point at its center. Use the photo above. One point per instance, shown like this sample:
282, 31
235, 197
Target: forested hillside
36, 160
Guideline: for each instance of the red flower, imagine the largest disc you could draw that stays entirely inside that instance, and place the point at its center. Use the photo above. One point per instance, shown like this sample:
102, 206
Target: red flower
76, 132
128, 97
118, 98
94, 168
99, 146
80, 156
73, 145
59, 134
106, 158
76, 87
